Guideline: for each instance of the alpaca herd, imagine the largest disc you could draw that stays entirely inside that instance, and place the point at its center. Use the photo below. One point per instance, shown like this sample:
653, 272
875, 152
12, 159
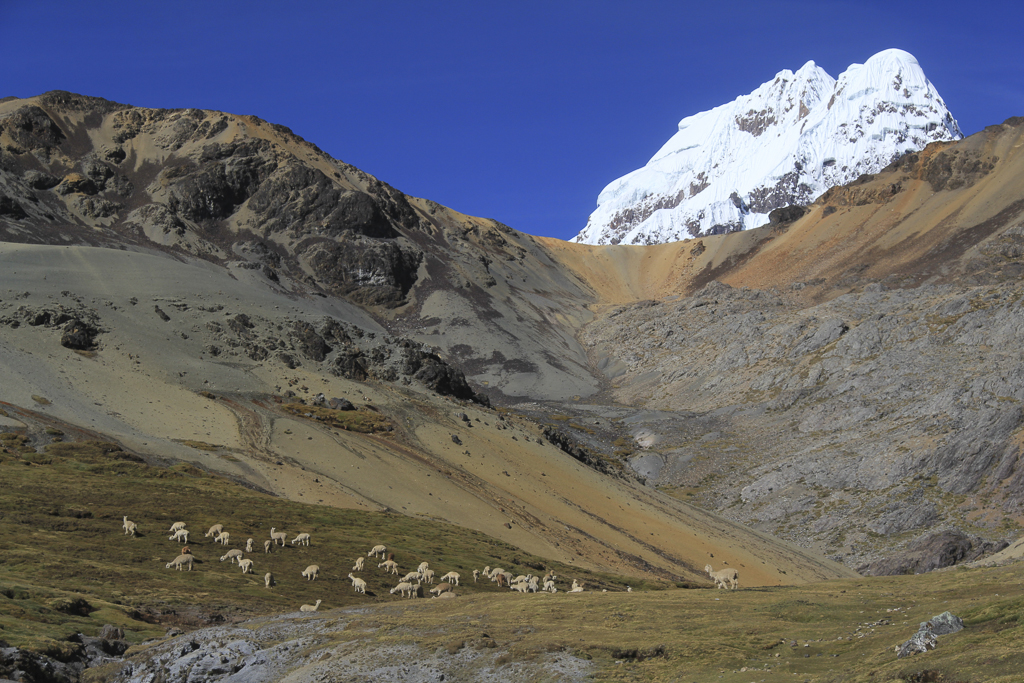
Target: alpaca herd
409, 586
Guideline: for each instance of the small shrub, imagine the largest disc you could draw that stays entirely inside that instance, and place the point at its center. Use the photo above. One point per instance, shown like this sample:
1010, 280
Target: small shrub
90, 451
364, 420
74, 606
639, 654
41, 400
201, 445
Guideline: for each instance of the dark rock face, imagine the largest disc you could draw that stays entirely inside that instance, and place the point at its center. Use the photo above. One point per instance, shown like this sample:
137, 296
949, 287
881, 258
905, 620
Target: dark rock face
81, 652
30, 128
40, 181
340, 404
78, 335
227, 176
11, 209
782, 195
342, 349
786, 214
943, 549
97, 207
21, 665
394, 204
955, 168
304, 201
342, 224
369, 272
309, 343
438, 376
158, 216
350, 365
106, 178
566, 444
76, 183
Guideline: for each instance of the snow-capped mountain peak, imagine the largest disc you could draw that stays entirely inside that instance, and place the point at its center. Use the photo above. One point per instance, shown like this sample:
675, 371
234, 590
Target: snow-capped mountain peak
785, 143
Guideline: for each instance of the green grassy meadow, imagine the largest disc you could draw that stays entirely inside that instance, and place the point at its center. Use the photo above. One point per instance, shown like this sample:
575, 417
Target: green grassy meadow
68, 567
61, 515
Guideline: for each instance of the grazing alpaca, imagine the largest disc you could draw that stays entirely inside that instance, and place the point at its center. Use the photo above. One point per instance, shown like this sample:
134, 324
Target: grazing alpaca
722, 576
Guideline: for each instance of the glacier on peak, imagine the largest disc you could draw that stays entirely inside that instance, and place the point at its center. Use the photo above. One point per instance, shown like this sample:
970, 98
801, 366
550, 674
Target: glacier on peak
787, 142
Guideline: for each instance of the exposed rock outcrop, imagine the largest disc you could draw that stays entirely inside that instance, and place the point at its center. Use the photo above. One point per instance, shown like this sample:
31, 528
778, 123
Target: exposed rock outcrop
927, 635
935, 551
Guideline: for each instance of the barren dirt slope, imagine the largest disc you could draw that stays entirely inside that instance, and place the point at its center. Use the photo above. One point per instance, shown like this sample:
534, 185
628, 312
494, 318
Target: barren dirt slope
140, 386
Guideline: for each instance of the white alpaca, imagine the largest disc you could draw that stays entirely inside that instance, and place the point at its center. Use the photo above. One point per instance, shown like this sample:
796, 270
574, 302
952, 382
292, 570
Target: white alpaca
248, 545
377, 549
423, 565
222, 538
179, 535
233, 554
413, 576
360, 561
266, 546
312, 571
441, 588
428, 575
405, 587
389, 565
246, 566
303, 539
214, 530
723, 576
175, 527
452, 577
130, 527
179, 561
268, 578
311, 608
358, 584
276, 536
576, 587
476, 575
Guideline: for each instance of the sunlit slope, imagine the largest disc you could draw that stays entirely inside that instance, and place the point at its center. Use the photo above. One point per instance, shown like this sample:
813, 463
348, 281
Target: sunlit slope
927, 217
155, 386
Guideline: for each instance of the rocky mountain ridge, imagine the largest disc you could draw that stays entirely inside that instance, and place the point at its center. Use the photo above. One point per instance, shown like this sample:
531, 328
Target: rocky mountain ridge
804, 367
240, 270
785, 143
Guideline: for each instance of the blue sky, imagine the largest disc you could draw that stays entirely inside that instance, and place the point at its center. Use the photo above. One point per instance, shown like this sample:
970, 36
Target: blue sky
520, 111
